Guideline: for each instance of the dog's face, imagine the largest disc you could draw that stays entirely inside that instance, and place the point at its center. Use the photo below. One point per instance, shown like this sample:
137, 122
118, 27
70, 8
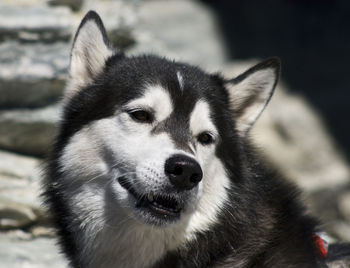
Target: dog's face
147, 137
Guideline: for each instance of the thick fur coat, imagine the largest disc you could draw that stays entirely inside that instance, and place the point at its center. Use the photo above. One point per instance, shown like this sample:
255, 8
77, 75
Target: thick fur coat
153, 166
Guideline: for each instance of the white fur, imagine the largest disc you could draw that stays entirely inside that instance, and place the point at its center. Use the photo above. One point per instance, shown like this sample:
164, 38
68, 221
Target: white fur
200, 119
215, 181
180, 79
158, 99
258, 84
80, 155
89, 54
215, 187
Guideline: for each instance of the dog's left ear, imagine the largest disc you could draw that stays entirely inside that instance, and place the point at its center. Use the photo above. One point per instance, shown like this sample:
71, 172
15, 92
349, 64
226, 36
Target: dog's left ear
251, 91
90, 51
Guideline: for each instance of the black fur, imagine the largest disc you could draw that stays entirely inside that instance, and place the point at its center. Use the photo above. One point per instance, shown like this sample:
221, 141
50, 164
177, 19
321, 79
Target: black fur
262, 225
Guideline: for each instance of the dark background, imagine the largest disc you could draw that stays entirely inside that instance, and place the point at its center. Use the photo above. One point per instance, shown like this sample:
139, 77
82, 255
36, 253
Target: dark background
312, 38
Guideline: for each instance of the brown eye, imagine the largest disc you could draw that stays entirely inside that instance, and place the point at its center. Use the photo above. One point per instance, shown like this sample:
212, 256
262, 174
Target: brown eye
141, 116
205, 138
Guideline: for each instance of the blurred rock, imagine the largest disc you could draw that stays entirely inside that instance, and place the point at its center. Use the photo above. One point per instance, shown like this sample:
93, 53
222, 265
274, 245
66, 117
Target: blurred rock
19, 179
29, 253
21, 195
35, 57
344, 205
116, 14
181, 30
327, 205
28, 131
41, 231
10, 163
73, 4
15, 215
344, 263
299, 144
35, 23
339, 229
20, 206
119, 17
32, 75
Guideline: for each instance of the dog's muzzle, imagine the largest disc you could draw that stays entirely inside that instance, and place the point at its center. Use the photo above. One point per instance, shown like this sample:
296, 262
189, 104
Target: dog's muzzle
161, 206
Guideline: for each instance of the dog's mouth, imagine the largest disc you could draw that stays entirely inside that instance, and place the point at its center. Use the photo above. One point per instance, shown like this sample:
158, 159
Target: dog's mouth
164, 206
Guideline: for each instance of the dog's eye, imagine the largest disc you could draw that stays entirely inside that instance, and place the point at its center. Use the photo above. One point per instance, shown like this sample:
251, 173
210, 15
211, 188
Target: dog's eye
141, 116
205, 138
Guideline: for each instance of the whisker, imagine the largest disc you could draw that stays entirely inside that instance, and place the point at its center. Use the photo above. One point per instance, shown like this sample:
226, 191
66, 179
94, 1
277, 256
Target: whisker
119, 164
126, 173
97, 176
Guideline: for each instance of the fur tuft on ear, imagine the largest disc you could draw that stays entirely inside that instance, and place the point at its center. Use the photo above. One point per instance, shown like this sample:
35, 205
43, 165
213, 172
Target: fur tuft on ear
251, 91
89, 53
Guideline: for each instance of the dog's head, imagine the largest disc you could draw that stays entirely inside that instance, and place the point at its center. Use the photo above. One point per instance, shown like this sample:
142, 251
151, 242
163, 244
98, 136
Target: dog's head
151, 137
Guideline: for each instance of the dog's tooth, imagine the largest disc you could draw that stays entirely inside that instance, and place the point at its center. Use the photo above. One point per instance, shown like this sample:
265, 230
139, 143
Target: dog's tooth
150, 197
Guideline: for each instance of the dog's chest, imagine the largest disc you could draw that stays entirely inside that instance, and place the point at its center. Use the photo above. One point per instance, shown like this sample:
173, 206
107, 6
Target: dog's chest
132, 247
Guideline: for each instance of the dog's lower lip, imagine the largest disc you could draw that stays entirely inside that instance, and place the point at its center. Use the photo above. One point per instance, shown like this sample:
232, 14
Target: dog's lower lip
164, 206
158, 208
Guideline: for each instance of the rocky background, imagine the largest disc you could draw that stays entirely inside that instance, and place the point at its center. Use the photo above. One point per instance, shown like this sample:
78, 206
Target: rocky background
35, 39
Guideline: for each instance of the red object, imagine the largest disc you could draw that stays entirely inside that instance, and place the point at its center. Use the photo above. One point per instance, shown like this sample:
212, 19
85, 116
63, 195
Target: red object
321, 245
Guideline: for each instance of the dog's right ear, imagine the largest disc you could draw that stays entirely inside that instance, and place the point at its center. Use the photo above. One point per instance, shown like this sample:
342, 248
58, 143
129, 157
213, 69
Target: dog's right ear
89, 53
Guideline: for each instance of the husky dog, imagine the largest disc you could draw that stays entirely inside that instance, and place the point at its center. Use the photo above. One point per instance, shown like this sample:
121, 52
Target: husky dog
153, 167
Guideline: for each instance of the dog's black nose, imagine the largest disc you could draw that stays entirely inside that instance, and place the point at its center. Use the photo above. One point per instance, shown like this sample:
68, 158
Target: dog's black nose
184, 172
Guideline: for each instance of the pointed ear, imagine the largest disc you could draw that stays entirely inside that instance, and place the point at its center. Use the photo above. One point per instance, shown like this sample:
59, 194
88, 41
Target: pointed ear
251, 91
89, 53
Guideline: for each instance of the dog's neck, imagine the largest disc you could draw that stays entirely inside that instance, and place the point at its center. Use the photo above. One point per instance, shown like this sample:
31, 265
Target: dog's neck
134, 245
120, 240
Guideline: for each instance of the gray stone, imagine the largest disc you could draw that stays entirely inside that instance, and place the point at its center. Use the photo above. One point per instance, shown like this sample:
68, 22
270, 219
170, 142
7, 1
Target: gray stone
73, 4
330, 207
41, 231
341, 230
18, 166
28, 131
21, 192
116, 14
20, 179
35, 23
18, 252
119, 17
296, 139
20, 205
339, 264
32, 75
344, 204
182, 30
15, 215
